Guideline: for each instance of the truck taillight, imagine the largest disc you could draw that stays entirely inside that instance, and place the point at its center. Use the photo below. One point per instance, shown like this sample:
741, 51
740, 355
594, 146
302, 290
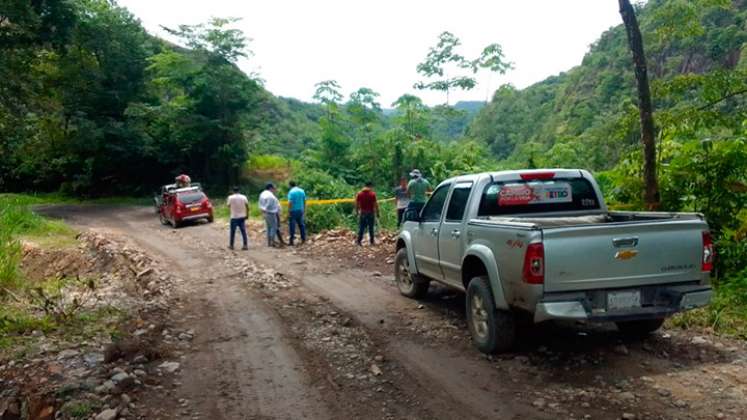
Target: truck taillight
537, 176
534, 264
708, 252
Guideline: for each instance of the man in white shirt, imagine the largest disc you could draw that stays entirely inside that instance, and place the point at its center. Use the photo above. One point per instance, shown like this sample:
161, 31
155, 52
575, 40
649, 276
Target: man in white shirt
270, 207
239, 207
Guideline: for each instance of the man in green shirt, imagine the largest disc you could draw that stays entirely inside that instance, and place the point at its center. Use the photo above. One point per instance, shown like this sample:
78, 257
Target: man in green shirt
417, 190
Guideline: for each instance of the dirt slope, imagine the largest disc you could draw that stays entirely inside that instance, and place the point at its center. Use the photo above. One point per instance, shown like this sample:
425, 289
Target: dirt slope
287, 334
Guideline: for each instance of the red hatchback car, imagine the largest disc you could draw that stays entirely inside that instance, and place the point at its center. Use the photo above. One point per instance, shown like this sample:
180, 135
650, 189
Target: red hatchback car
184, 204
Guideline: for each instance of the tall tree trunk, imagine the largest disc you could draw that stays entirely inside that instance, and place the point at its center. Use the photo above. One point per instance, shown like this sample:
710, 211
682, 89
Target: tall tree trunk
651, 194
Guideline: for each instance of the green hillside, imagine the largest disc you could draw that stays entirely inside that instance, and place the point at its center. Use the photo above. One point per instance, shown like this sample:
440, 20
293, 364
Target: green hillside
587, 116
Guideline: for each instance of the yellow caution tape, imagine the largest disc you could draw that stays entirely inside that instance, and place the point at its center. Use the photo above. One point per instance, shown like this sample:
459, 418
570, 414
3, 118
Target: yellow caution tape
331, 201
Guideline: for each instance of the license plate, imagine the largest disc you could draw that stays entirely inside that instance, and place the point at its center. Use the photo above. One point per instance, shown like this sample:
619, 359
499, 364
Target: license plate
623, 300
195, 209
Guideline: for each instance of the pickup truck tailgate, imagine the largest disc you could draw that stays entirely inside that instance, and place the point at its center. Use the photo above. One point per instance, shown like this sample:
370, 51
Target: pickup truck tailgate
619, 255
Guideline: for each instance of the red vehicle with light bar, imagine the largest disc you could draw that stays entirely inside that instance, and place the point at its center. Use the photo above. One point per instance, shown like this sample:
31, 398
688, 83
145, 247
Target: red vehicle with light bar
544, 244
177, 206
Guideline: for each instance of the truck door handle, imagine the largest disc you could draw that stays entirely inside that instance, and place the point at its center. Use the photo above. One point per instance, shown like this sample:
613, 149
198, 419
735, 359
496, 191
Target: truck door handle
623, 242
434, 231
456, 234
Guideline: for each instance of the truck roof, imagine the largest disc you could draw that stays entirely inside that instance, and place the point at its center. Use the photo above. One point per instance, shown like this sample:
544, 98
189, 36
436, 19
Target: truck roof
515, 175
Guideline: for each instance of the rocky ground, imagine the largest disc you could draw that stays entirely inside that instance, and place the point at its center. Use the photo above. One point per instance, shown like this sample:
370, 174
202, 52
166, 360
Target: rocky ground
321, 332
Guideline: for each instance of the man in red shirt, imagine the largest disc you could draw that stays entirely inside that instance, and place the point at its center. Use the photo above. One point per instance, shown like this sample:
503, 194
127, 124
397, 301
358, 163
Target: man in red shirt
367, 209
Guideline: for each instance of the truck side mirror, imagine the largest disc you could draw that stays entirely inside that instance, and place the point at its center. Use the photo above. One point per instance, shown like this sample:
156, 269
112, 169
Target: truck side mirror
412, 215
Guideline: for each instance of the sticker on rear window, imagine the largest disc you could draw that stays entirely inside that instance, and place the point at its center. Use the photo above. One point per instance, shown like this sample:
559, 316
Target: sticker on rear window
534, 193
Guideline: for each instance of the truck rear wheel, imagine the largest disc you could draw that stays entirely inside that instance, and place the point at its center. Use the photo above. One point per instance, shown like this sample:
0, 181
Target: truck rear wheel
408, 283
640, 328
492, 330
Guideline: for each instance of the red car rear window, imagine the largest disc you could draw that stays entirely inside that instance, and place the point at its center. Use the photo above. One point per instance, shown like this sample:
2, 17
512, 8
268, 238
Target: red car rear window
191, 197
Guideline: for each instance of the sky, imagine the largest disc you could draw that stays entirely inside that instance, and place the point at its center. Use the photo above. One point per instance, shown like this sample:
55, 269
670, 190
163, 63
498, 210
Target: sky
378, 44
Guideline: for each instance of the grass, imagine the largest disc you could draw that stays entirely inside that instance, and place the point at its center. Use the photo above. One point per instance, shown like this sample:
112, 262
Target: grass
727, 313
19, 315
18, 321
79, 409
18, 221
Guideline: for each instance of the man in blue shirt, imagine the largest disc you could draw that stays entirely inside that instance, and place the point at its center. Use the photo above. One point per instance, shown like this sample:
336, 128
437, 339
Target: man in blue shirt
297, 206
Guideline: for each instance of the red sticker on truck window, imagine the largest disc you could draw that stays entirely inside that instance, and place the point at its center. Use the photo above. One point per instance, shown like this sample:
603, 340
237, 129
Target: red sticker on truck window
515, 195
534, 193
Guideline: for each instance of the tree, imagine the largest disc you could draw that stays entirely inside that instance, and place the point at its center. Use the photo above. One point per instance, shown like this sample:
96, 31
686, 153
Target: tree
328, 94
444, 59
437, 63
364, 112
491, 59
635, 41
363, 107
202, 99
214, 37
412, 115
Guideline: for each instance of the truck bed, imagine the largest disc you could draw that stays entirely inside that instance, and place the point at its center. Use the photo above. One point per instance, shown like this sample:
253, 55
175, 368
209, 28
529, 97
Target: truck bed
593, 219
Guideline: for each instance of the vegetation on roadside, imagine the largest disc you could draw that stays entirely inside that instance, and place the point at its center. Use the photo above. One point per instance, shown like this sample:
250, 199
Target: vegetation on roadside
43, 305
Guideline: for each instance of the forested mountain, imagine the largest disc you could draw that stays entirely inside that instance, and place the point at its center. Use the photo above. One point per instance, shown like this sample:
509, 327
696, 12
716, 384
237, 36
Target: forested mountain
587, 116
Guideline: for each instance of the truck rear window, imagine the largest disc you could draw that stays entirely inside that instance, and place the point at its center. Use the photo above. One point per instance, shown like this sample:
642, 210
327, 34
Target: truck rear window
516, 197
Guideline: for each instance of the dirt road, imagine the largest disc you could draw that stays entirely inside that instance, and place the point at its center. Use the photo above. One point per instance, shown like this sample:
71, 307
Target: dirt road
281, 335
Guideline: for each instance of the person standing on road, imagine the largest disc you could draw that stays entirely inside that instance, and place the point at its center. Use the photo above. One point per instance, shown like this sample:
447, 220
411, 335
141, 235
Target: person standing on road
402, 199
367, 210
417, 189
279, 230
297, 209
238, 205
270, 207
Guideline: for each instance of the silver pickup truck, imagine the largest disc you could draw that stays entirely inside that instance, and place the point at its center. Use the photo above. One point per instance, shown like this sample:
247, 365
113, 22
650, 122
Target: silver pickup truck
543, 243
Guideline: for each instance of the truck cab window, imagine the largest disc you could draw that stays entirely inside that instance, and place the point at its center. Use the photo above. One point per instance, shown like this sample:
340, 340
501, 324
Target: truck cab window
458, 202
433, 210
521, 197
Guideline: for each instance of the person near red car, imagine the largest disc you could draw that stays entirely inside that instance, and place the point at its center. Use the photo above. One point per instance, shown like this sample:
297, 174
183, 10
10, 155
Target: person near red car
239, 207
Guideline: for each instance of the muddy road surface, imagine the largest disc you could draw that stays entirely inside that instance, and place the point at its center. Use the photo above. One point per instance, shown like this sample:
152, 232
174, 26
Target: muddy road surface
282, 334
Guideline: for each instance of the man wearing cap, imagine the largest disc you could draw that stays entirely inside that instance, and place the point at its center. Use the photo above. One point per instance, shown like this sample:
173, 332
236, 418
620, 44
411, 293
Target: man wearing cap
270, 207
417, 189
239, 207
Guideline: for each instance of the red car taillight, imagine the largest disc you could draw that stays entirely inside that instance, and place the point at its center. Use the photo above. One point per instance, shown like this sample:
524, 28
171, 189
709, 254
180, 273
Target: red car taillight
179, 207
709, 252
534, 264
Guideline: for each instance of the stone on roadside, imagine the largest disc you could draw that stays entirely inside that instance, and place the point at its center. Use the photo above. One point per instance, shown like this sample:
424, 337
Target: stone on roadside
106, 388
108, 414
621, 349
626, 396
169, 367
628, 416
539, 403
66, 354
698, 340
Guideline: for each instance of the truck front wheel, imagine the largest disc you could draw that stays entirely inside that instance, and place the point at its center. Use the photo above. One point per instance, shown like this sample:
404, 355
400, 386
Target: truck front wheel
408, 283
640, 328
492, 330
